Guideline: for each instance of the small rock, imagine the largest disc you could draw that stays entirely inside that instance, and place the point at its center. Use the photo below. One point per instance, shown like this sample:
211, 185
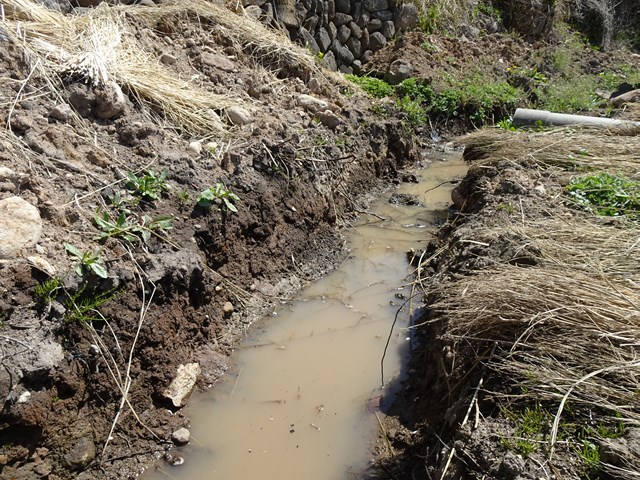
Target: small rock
314, 85
388, 29
62, 112
43, 469
24, 397
356, 31
20, 226
342, 19
308, 40
182, 384
343, 6
174, 460
81, 454
217, 61
404, 199
329, 119
195, 147
239, 116
329, 61
406, 17
383, 15
323, 40
629, 97
111, 102
253, 12
168, 59
181, 436
342, 53
312, 104
399, 70
374, 25
344, 33
377, 41
540, 190
227, 308
375, 5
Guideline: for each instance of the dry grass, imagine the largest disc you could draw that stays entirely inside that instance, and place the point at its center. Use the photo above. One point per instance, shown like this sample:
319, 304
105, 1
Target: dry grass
567, 149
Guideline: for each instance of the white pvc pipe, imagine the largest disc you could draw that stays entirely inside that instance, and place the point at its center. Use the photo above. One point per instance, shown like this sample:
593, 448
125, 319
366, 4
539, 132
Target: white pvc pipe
526, 116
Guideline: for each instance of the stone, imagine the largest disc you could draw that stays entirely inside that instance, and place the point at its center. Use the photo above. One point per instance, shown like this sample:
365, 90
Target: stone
374, 25
286, 13
355, 46
333, 31
342, 53
341, 19
383, 15
343, 6
217, 61
111, 102
227, 308
356, 31
388, 30
182, 384
405, 17
357, 66
181, 436
377, 41
323, 39
62, 112
20, 227
363, 20
399, 70
81, 454
168, 59
195, 147
344, 33
24, 397
331, 9
345, 69
238, 115
629, 97
314, 85
375, 5
364, 40
253, 12
312, 104
329, 61
404, 199
308, 40
311, 23
329, 119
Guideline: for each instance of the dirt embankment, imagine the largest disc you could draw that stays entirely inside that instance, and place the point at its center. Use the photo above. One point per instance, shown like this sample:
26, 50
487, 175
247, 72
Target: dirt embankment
115, 166
528, 365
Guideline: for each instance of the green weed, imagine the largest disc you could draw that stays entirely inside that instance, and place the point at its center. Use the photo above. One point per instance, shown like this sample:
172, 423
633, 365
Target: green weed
416, 114
133, 228
218, 195
149, 186
572, 94
46, 291
605, 194
87, 262
82, 306
373, 86
532, 425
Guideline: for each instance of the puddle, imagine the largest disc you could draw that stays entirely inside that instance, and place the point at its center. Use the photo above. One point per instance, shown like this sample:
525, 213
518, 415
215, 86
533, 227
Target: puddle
301, 400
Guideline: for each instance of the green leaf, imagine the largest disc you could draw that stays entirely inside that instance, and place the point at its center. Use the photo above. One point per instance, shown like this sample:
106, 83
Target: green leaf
99, 269
73, 250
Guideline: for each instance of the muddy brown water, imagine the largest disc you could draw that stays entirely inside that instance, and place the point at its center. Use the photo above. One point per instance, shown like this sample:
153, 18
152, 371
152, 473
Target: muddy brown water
302, 397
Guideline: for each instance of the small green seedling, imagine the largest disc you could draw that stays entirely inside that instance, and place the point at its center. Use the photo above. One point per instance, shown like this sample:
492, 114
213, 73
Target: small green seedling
46, 291
218, 195
87, 262
149, 186
141, 228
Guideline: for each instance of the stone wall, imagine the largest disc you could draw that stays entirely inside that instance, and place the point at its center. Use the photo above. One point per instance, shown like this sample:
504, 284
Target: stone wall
344, 32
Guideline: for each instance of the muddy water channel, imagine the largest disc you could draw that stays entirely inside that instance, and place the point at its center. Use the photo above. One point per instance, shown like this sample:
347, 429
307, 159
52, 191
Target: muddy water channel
304, 391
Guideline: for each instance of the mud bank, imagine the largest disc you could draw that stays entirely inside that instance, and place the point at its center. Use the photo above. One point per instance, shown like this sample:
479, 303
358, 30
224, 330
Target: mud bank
520, 373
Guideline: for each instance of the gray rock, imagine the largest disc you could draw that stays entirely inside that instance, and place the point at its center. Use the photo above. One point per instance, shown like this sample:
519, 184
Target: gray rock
182, 384
253, 12
355, 46
374, 25
331, 9
195, 148
311, 23
168, 59
384, 15
366, 56
314, 85
364, 40
406, 17
227, 308
20, 226
333, 31
344, 33
239, 116
181, 436
81, 454
286, 13
308, 40
111, 102
62, 112
323, 40
388, 30
357, 66
312, 104
342, 53
329, 61
342, 19
343, 6
363, 20
346, 69
329, 119
377, 41
217, 61
632, 96
375, 5
356, 31
399, 70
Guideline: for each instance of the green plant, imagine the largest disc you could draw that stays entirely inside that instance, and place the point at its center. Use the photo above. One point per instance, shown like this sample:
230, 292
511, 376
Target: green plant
505, 207
429, 47
220, 196
373, 86
605, 194
589, 453
416, 114
532, 424
82, 306
507, 124
87, 262
149, 186
131, 228
46, 291
183, 196
573, 94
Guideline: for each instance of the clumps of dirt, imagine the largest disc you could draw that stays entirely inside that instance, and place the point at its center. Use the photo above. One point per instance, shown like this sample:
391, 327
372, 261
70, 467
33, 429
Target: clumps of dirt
522, 370
87, 360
